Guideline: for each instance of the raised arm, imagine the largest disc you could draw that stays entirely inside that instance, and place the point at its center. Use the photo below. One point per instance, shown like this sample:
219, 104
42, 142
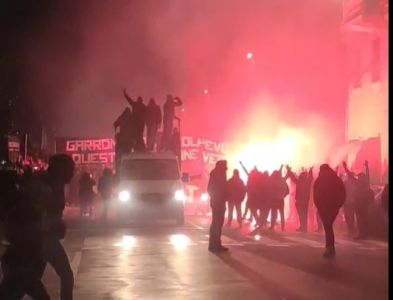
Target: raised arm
244, 168
128, 98
350, 174
290, 174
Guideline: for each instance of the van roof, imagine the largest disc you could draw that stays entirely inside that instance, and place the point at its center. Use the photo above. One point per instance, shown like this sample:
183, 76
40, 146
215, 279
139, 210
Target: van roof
149, 155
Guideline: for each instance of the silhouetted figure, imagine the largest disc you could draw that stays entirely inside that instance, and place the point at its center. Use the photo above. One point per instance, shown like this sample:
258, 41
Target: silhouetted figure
236, 194
153, 122
22, 263
302, 195
329, 196
264, 198
125, 138
169, 115
217, 189
86, 194
139, 118
278, 191
349, 205
363, 198
60, 171
105, 188
252, 193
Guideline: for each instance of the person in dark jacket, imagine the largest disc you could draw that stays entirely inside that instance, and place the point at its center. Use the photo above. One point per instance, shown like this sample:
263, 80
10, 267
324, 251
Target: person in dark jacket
153, 122
329, 197
218, 192
278, 191
264, 198
60, 172
22, 263
302, 195
125, 138
236, 194
169, 115
86, 194
105, 188
139, 118
363, 198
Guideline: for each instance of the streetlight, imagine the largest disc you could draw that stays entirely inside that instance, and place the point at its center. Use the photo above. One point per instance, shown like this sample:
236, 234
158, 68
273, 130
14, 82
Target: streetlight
249, 55
205, 91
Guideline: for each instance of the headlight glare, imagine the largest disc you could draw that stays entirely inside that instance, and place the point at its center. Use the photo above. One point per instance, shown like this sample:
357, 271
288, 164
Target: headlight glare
180, 196
124, 196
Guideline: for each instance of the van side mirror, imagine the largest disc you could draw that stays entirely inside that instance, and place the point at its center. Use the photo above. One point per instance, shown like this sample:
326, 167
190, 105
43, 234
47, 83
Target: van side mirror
185, 177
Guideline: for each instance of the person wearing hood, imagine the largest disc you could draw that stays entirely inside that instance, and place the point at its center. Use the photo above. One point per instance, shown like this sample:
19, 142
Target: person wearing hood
329, 197
217, 189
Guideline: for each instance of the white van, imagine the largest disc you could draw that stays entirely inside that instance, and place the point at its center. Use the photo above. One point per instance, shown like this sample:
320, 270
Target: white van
151, 185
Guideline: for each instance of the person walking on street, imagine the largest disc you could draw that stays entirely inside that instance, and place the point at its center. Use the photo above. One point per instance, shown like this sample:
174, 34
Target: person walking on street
329, 197
60, 171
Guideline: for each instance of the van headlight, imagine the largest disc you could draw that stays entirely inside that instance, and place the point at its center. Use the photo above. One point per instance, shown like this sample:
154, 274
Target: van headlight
124, 196
204, 197
180, 196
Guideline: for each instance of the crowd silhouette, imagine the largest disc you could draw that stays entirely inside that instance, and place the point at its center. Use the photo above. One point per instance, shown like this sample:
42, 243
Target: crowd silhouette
331, 191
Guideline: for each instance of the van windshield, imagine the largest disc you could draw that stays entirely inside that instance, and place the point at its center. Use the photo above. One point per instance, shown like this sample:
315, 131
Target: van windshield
150, 169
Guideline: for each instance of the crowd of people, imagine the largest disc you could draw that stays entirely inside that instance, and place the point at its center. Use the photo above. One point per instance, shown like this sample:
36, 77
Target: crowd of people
131, 124
32, 204
331, 191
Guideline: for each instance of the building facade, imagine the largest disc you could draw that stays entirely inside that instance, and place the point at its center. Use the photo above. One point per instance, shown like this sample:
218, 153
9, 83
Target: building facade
365, 35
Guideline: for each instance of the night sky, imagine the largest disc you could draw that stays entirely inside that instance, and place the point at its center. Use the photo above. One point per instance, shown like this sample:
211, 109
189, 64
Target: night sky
69, 60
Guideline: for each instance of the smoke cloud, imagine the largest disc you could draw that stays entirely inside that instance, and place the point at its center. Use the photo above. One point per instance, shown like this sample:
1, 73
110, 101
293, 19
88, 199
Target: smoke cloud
83, 53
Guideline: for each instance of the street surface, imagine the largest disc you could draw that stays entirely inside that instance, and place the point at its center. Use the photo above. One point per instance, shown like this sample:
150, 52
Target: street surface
159, 260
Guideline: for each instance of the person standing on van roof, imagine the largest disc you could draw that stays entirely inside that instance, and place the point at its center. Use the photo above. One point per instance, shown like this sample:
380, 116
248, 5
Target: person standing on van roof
153, 123
139, 118
169, 115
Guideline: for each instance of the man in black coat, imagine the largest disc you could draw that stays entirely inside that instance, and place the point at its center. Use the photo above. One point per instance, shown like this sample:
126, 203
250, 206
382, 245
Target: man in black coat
60, 172
302, 195
217, 189
329, 196
169, 115
139, 118
236, 194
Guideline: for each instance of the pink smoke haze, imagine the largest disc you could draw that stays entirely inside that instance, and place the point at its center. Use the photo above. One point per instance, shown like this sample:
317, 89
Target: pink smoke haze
266, 75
